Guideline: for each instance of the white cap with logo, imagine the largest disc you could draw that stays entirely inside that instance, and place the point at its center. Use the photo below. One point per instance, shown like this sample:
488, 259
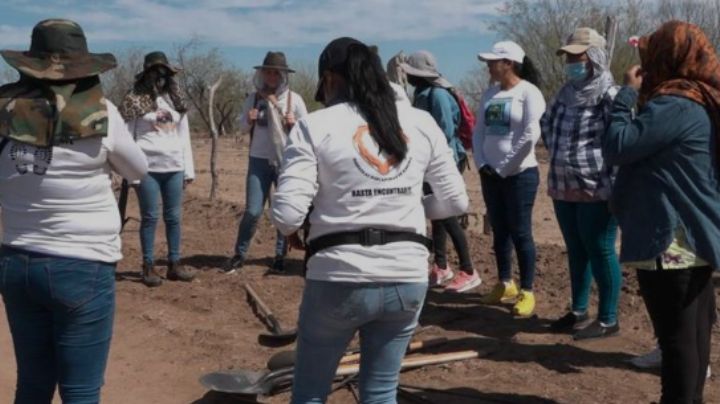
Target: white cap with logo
508, 50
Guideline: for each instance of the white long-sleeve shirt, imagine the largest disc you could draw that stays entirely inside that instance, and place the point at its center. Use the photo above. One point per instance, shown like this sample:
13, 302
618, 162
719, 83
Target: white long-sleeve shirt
507, 128
164, 136
60, 201
332, 162
262, 145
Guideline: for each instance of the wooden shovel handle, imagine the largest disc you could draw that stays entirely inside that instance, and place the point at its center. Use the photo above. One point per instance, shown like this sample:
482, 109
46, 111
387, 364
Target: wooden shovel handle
414, 346
254, 296
420, 360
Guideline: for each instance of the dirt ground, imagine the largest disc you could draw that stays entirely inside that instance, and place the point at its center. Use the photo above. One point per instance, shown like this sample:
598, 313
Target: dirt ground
166, 338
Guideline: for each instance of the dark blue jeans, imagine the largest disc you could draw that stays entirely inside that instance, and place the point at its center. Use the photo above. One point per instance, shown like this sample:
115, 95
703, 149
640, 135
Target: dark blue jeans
169, 187
60, 312
260, 177
509, 203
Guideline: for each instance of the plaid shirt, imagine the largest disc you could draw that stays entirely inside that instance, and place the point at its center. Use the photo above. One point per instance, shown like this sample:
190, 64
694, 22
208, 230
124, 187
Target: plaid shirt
573, 137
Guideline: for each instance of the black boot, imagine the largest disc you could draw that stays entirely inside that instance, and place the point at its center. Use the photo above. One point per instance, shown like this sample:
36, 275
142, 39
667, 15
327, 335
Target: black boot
150, 276
178, 272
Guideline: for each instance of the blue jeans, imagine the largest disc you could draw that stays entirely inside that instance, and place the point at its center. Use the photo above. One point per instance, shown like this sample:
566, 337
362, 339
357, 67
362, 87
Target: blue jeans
260, 177
331, 312
589, 231
169, 186
60, 312
509, 203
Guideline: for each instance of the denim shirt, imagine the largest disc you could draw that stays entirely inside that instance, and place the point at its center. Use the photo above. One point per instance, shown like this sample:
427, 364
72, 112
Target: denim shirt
667, 178
446, 112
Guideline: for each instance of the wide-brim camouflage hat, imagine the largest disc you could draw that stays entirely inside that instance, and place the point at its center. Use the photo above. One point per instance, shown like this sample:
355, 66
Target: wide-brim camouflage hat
59, 51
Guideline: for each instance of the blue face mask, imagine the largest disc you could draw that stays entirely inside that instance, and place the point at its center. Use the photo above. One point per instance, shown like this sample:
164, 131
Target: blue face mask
576, 71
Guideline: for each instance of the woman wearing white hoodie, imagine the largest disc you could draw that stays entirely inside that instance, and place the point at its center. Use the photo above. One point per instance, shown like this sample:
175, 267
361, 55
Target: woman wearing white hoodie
268, 114
361, 162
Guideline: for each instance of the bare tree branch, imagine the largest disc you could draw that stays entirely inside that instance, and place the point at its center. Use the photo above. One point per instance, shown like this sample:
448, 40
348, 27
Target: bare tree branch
214, 134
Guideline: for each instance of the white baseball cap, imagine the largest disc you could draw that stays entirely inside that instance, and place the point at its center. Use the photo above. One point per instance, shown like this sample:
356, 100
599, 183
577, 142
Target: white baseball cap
504, 50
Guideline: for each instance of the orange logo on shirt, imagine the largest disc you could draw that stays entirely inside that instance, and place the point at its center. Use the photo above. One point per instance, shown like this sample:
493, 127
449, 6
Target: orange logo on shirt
378, 161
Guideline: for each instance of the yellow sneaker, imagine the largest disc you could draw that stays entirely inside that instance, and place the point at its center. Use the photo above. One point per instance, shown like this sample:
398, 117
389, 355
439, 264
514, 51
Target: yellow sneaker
525, 304
502, 292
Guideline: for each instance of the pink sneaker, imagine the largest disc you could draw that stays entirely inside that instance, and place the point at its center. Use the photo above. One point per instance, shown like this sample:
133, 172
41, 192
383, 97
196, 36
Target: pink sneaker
463, 282
438, 276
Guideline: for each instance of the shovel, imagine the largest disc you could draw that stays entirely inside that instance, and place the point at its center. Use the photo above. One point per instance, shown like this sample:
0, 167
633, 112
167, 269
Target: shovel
278, 335
287, 358
249, 382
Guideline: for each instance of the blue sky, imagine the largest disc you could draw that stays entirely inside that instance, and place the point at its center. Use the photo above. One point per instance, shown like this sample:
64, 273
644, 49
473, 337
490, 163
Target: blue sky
454, 30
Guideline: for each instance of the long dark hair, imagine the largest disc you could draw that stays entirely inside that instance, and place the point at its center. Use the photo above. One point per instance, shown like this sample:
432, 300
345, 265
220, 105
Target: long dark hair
369, 89
527, 71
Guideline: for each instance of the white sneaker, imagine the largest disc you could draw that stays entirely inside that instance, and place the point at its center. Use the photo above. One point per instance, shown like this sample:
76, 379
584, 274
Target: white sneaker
650, 360
653, 359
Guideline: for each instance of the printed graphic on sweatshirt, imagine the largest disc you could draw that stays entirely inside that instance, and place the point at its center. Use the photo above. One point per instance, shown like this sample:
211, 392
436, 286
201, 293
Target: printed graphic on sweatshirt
373, 161
497, 116
381, 191
29, 158
164, 121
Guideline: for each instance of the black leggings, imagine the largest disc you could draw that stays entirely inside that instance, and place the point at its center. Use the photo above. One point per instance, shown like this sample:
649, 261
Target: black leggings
451, 225
681, 303
440, 230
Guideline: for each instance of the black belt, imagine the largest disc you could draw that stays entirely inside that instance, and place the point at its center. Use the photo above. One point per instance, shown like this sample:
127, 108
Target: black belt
365, 237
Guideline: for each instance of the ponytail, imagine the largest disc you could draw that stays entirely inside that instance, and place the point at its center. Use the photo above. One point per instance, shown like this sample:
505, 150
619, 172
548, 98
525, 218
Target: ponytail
527, 71
370, 91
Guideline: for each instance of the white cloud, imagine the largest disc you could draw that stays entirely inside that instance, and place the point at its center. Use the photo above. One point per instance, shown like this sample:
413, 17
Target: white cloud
223, 4
260, 22
11, 35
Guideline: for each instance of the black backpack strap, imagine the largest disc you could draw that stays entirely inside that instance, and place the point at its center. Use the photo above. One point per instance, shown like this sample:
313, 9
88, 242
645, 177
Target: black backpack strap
252, 127
3, 143
431, 104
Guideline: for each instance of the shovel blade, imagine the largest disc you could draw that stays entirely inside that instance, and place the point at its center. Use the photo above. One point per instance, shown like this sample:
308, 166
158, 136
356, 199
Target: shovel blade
284, 337
235, 382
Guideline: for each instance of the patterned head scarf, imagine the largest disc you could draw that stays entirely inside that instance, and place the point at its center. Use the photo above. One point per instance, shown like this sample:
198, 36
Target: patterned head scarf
678, 59
591, 91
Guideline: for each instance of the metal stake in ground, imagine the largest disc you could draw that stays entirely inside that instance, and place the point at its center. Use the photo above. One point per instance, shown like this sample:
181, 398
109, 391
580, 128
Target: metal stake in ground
278, 335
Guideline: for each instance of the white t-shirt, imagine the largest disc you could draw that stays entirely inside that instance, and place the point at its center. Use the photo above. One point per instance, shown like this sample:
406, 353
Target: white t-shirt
332, 162
164, 136
262, 145
508, 127
60, 201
